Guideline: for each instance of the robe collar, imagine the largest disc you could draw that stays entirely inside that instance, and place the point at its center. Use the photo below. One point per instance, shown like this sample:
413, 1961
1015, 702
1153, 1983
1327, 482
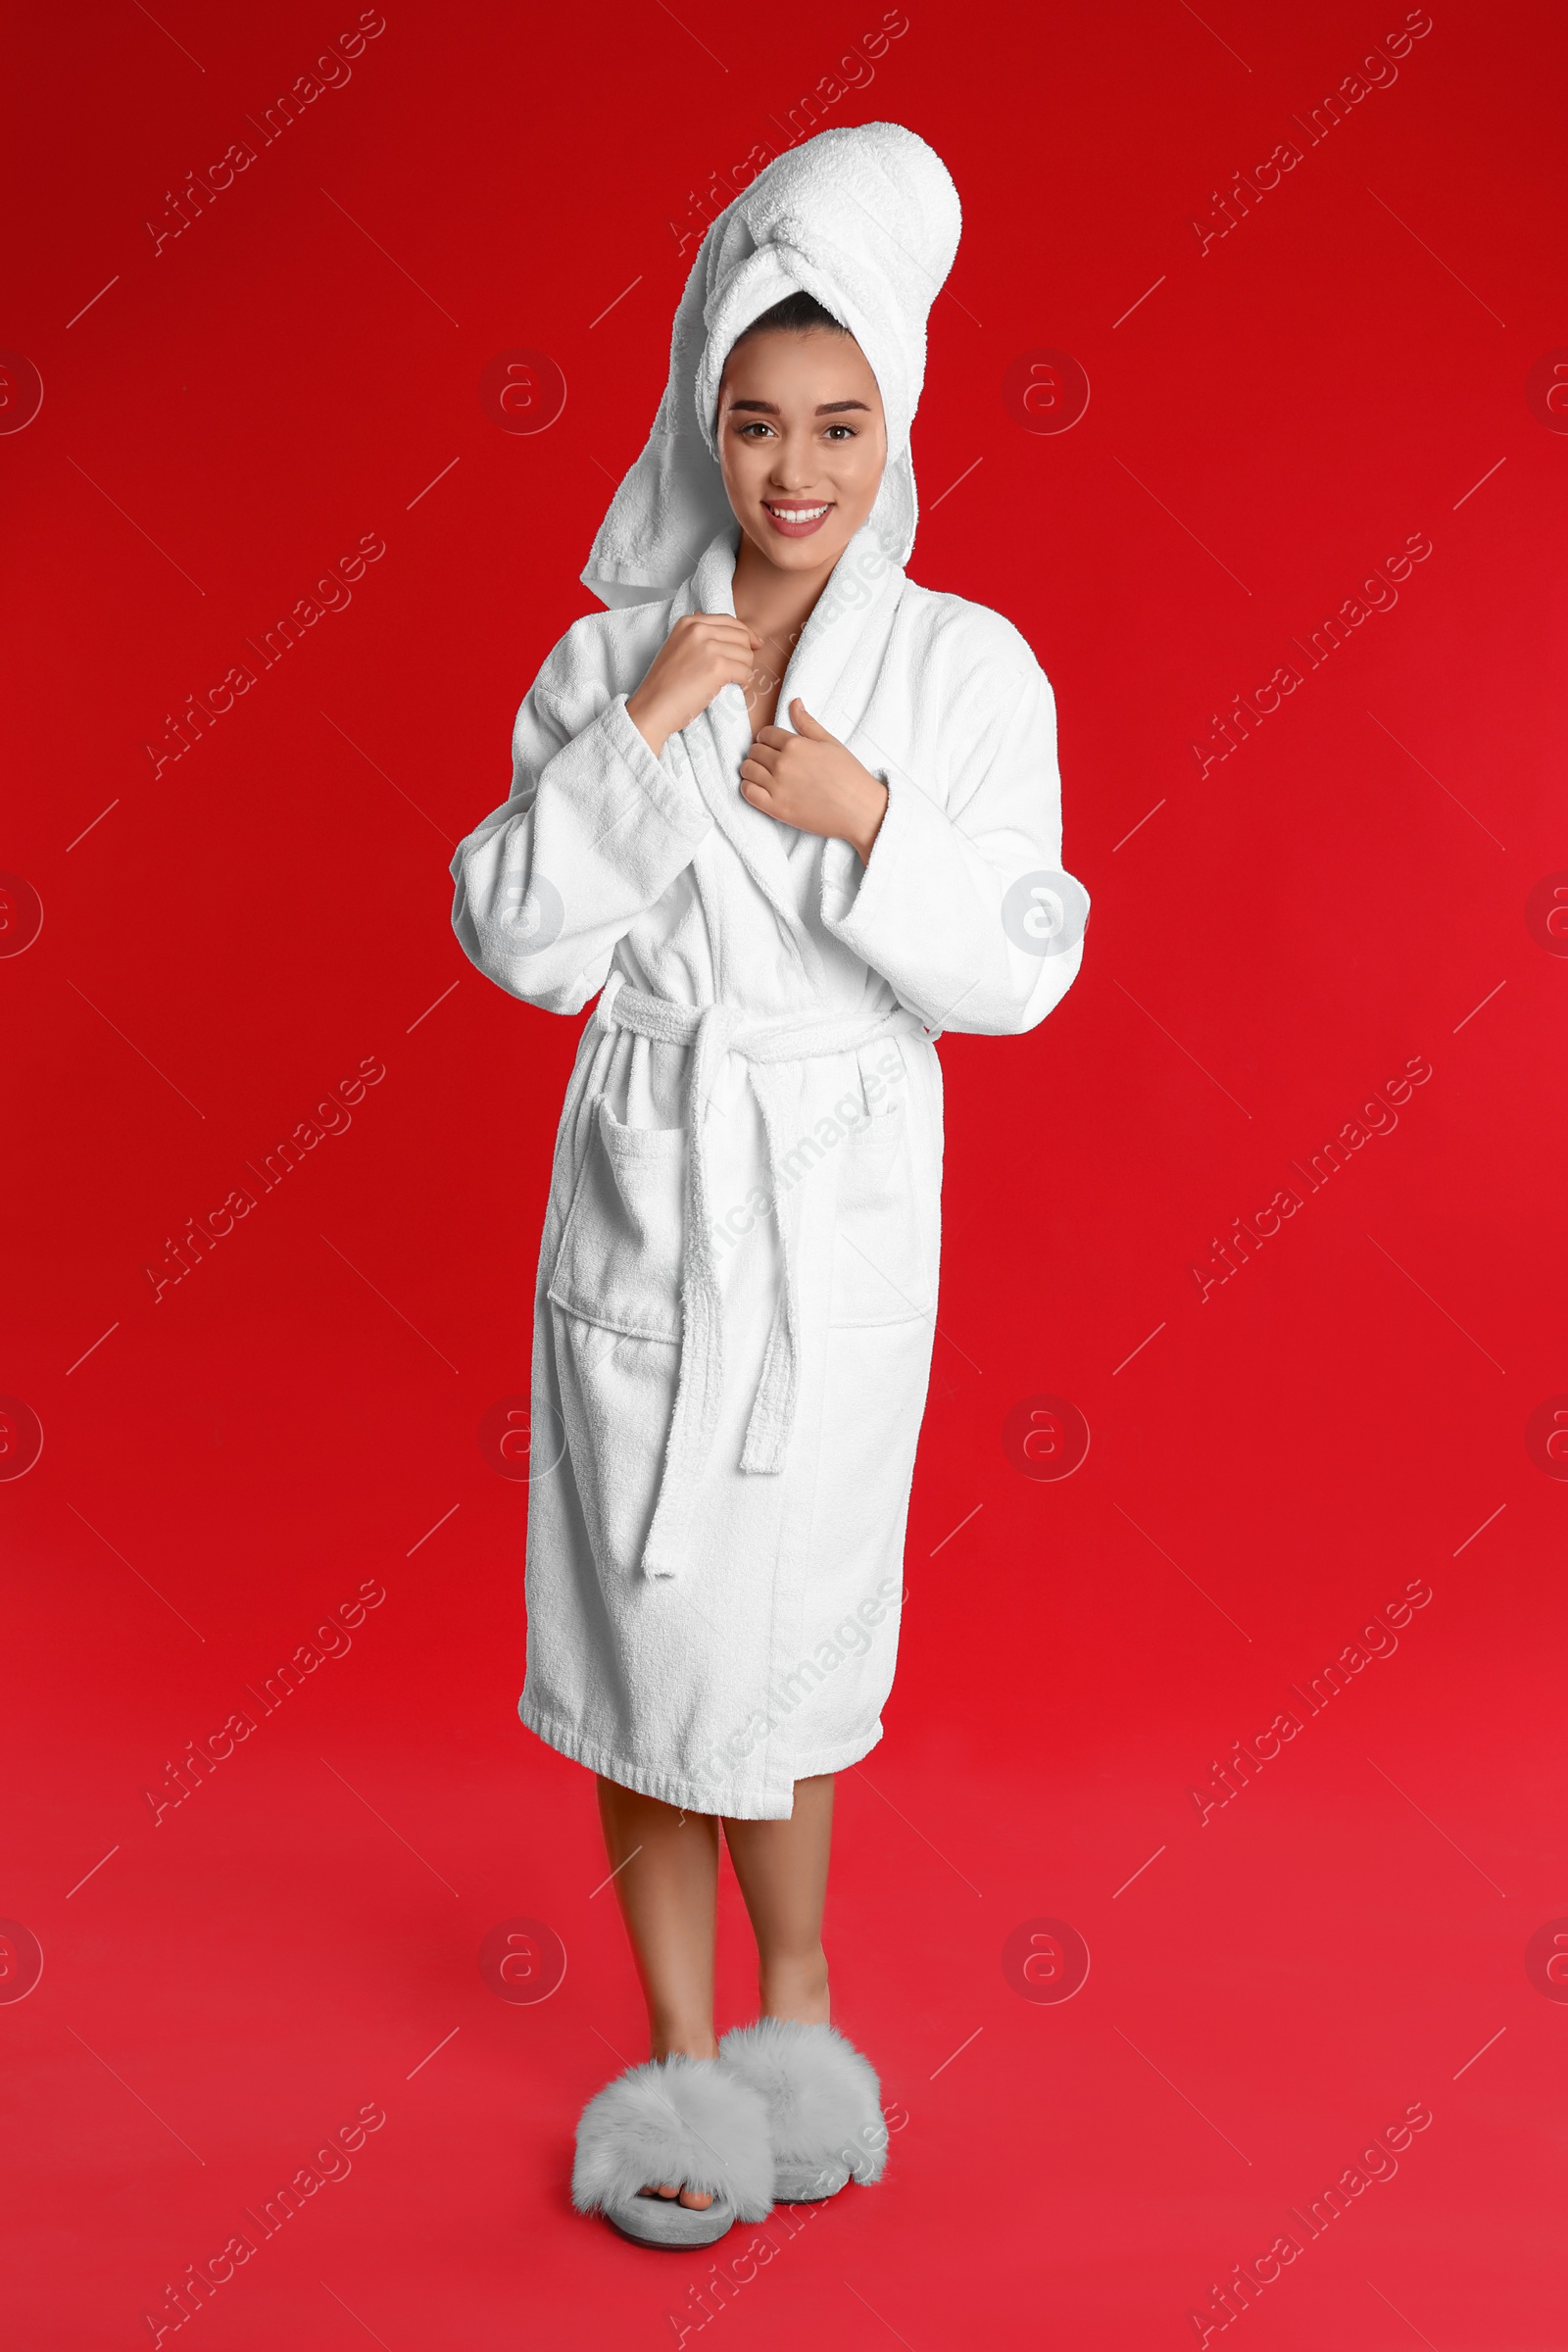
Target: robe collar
718, 739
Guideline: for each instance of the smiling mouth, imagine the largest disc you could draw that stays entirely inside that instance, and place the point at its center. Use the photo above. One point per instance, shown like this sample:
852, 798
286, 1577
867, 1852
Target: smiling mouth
794, 517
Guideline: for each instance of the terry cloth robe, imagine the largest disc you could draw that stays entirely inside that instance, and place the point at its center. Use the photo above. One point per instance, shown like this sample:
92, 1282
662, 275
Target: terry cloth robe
737, 1283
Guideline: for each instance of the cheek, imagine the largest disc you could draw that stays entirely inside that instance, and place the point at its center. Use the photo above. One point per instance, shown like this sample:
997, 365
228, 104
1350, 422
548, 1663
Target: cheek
741, 477
861, 477
870, 454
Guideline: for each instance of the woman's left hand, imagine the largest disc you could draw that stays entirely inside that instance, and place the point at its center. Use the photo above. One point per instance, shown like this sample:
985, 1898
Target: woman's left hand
811, 781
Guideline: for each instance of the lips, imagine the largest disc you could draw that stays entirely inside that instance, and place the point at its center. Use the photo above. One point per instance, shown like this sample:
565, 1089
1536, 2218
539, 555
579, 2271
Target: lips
794, 519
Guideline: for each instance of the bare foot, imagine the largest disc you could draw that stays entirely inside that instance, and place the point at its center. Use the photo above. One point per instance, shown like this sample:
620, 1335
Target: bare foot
699, 2199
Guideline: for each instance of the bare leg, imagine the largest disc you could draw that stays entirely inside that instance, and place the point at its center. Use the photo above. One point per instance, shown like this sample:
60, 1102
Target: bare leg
782, 1869
666, 1879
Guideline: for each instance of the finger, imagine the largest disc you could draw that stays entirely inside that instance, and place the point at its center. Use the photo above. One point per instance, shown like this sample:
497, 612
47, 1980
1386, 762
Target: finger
806, 725
724, 629
761, 756
775, 738
752, 772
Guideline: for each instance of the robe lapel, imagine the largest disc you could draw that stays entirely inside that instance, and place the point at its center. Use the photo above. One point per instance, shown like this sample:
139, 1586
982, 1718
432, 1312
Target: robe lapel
715, 743
718, 739
848, 610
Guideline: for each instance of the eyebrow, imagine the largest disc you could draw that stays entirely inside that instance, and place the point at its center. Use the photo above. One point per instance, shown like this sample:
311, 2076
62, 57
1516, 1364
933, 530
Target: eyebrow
826, 408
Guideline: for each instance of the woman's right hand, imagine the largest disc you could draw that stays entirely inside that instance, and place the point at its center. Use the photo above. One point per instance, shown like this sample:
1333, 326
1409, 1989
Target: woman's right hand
703, 652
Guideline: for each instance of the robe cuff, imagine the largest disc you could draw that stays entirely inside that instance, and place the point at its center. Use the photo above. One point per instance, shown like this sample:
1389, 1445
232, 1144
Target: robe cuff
859, 902
678, 804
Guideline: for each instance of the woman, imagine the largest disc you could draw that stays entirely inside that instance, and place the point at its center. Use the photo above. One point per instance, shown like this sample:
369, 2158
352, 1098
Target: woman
738, 1276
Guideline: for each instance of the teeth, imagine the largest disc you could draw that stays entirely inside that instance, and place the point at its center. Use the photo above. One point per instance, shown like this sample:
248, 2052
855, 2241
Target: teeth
796, 513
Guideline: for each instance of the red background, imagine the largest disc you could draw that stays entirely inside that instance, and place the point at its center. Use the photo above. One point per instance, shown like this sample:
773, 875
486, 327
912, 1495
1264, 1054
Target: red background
220, 422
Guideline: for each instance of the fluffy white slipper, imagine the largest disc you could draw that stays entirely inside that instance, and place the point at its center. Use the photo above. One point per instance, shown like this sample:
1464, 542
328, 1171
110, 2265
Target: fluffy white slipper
824, 2104
689, 2120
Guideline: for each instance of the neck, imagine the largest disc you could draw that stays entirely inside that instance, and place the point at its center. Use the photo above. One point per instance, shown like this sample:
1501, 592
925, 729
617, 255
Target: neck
776, 604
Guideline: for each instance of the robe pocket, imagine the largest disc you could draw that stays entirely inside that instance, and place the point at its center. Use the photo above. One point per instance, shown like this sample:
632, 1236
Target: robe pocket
619, 1265
881, 1258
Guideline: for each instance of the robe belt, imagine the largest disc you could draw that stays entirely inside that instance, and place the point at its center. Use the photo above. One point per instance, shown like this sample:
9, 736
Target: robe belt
712, 1031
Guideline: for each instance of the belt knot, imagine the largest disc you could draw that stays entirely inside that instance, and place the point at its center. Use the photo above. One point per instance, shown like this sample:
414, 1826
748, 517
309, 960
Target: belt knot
712, 1031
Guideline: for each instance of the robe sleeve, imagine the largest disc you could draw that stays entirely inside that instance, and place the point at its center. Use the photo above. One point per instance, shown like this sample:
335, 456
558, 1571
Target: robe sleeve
595, 830
964, 908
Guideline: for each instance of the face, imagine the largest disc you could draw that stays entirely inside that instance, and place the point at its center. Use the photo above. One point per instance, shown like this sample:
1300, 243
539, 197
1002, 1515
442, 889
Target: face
803, 441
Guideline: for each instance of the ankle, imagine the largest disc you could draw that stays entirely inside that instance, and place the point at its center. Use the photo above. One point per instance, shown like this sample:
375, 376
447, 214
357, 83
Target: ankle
796, 1988
682, 2042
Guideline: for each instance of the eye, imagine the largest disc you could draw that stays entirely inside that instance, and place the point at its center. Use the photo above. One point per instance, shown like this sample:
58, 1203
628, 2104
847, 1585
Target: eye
754, 425
848, 430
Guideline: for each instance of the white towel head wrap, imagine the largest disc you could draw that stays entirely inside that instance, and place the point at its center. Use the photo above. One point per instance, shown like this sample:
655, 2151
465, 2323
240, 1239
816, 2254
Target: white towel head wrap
865, 219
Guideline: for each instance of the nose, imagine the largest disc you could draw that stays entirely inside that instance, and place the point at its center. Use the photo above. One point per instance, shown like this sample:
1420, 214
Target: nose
792, 470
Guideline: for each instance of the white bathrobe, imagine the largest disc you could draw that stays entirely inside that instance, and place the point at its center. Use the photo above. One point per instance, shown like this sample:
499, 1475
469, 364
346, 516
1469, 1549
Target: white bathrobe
737, 1286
